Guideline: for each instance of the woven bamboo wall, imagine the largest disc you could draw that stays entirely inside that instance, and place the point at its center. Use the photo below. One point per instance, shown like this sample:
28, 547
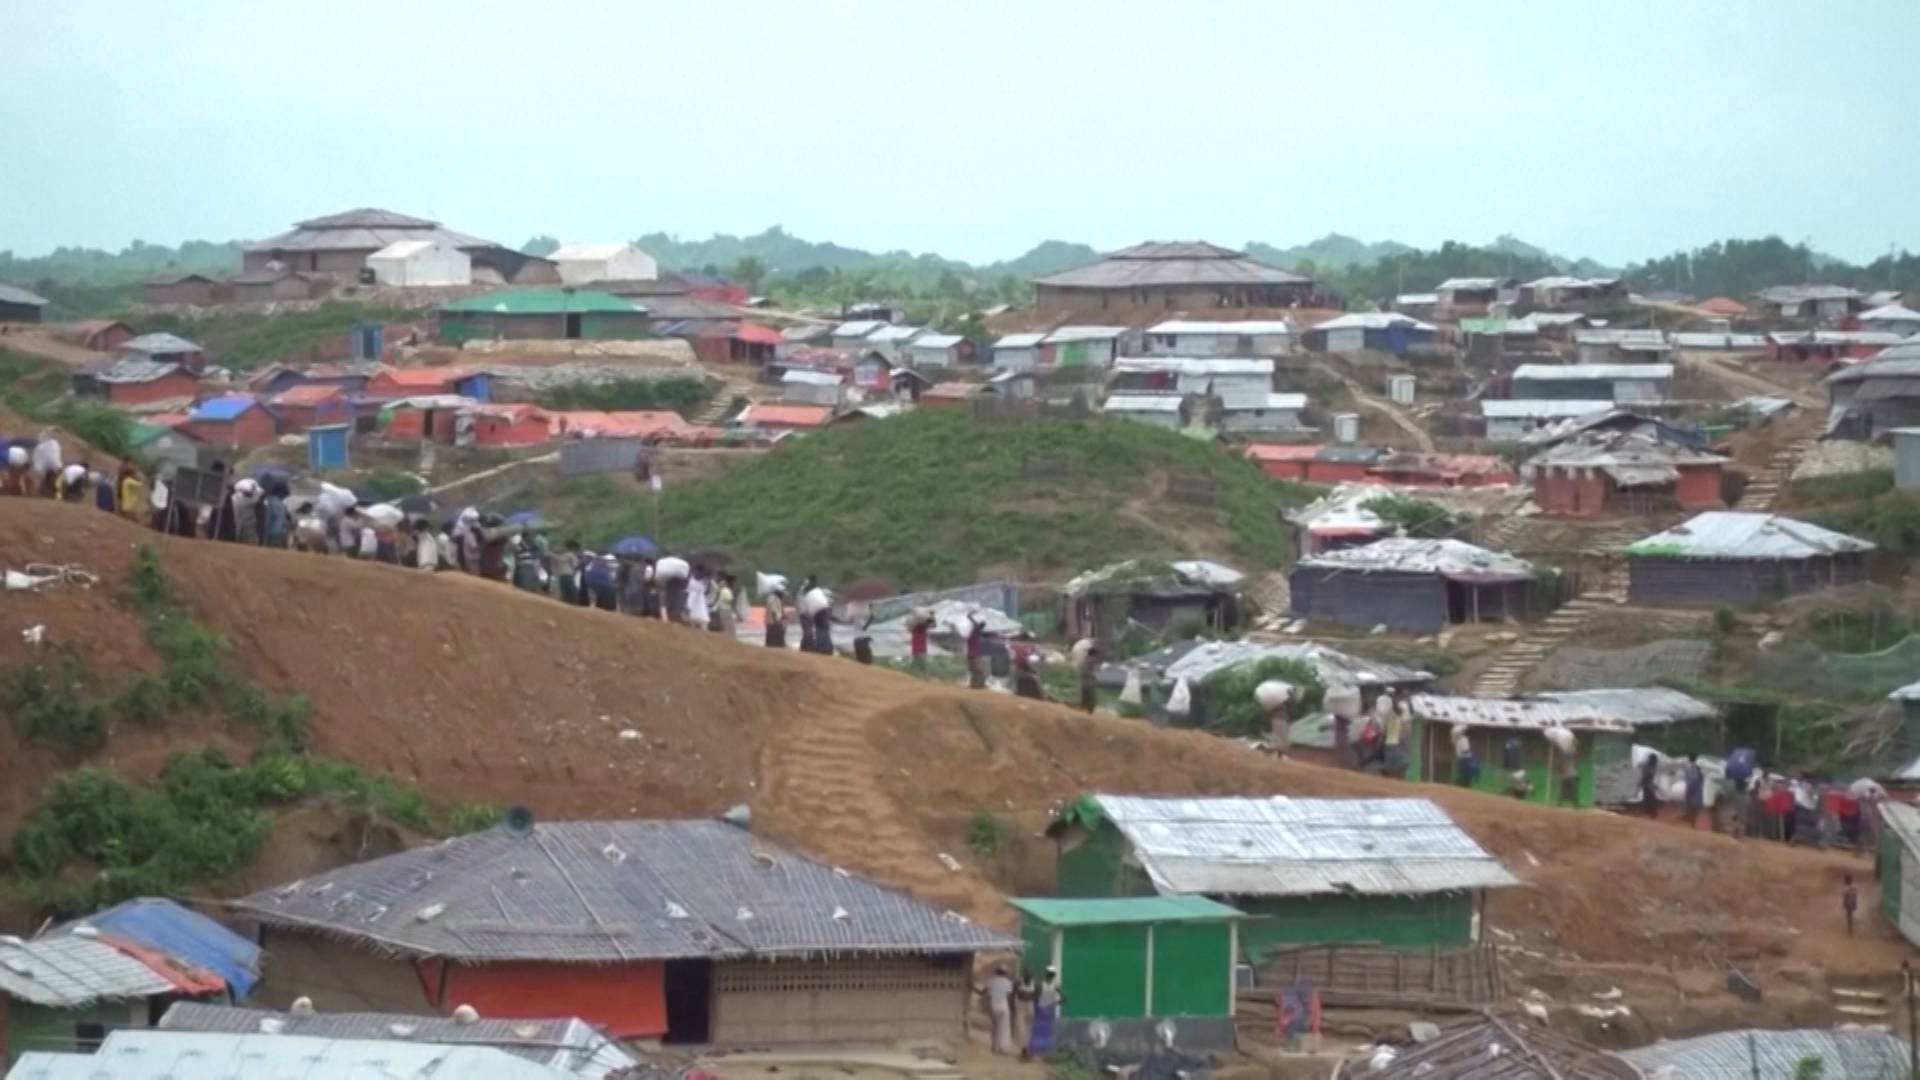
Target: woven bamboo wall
882, 998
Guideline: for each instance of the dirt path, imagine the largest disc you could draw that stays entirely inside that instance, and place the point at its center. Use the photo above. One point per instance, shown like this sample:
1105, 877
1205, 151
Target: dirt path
1393, 412
1729, 372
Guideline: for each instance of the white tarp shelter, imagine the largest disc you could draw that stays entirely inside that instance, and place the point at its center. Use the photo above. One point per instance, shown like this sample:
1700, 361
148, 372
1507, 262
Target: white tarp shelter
583, 264
419, 264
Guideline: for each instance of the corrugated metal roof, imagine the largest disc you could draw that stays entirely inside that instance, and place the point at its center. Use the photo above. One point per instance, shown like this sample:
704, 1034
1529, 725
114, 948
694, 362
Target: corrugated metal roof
221, 409
1904, 820
1891, 313
1685, 340
803, 377
1163, 264
1501, 1048
1543, 408
1909, 692
1252, 327
1193, 366
14, 294
1774, 1055
1468, 284
1113, 911
603, 891
935, 341
542, 302
1154, 403
887, 335
1066, 335
1626, 339
131, 1054
858, 328
1620, 449
1562, 372
1641, 706
1732, 534
1281, 402
1902, 361
402, 249
158, 344
309, 394
167, 928
1371, 320
1020, 341
1555, 318
1281, 846
1561, 281
1881, 338
1200, 661
1417, 298
366, 217
1406, 555
136, 370
1517, 715
67, 971
1794, 294
566, 1043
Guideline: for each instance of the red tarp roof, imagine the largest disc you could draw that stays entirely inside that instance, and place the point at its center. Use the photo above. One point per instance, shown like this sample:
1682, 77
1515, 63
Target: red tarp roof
308, 394
757, 335
789, 415
1272, 452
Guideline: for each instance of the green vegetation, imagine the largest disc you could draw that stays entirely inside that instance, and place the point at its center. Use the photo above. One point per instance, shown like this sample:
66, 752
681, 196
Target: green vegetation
96, 838
1231, 708
33, 387
1890, 519
247, 340
387, 485
86, 283
1415, 517
987, 835
935, 498
1840, 488
685, 396
28, 384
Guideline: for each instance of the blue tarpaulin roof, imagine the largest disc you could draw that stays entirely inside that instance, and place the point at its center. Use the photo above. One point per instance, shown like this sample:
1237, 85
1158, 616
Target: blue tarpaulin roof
222, 408
166, 927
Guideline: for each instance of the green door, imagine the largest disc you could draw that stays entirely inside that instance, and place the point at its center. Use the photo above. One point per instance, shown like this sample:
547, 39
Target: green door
1191, 967
1104, 971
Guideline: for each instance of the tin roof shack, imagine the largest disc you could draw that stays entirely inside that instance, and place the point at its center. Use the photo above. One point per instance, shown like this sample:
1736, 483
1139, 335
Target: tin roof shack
569, 1044
1740, 560
1018, 352
1561, 293
1663, 720
1897, 319
1472, 296
1906, 458
157, 446
1339, 519
1420, 305
1378, 331
1396, 873
1814, 303
1828, 347
1625, 384
781, 418
827, 388
232, 422
135, 381
586, 264
542, 315
1511, 738
1134, 961
198, 290
1897, 865
1186, 337
1868, 399
144, 1055
1503, 1048
1773, 1055
1162, 277
1274, 414
413, 264
1170, 411
1522, 419
690, 930
1414, 469
936, 351
1081, 346
890, 342
99, 335
851, 337
340, 244
1717, 341
122, 967
164, 348
1413, 586
17, 305
1236, 382
508, 425
1180, 598
1612, 346
1623, 473
311, 405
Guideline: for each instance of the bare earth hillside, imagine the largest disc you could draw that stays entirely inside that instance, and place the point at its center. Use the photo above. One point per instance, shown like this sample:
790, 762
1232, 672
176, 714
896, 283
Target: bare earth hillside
477, 693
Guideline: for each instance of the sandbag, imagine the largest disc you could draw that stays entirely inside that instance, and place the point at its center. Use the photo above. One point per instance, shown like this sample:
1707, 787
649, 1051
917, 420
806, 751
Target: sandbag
672, 568
1180, 702
333, 502
1131, 693
1342, 701
815, 601
1562, 740
765, 584
1273, 693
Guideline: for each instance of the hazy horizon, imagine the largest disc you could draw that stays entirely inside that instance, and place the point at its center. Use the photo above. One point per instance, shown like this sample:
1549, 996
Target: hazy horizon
969, 130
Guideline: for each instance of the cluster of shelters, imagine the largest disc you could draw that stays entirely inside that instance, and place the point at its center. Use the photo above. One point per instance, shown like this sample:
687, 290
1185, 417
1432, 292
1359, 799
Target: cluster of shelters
1736, 559
1322, 464
1411, 585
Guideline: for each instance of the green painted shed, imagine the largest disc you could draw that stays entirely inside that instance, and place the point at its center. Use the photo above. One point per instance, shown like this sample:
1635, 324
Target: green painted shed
1393, 873
543, 314
1601, 741
1898, 864
1135, 957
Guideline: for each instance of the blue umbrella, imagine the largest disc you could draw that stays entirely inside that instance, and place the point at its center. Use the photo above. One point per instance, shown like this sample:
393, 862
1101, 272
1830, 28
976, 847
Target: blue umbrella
636, 547
267, 473
525, 517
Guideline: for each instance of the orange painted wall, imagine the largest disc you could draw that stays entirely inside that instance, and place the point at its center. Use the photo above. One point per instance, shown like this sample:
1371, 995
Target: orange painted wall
629, 1000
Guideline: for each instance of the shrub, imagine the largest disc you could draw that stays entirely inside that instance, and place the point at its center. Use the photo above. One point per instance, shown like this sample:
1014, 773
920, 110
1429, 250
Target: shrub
987, 835
471, 818
49, 706
143, 701
386, 485
1725, 620
682, 395
1415, 517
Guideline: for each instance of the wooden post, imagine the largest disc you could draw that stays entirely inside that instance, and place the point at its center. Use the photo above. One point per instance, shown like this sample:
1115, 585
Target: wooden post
1233, 967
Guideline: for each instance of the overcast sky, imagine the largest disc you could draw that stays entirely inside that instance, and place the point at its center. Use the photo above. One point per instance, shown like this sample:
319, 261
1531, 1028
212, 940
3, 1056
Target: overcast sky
973, 129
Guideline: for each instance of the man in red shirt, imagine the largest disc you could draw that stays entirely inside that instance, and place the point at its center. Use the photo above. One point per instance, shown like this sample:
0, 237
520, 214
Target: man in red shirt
917, 643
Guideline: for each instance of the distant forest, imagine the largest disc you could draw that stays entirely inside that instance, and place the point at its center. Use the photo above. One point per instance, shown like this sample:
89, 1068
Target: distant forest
87, 282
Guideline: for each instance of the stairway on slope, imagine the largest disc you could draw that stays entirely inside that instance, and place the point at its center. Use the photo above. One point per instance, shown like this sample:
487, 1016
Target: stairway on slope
1516, 660
1763, 489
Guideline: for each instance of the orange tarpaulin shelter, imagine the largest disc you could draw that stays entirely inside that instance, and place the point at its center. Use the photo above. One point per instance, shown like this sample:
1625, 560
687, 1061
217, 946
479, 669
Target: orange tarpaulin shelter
629, 1000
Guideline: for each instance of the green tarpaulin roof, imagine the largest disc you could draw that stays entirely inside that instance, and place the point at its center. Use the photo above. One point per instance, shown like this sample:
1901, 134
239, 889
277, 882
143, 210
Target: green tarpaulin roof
1133, 909
541, 302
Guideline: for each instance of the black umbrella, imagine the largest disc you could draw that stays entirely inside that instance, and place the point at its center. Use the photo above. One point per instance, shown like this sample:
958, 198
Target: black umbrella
419, 504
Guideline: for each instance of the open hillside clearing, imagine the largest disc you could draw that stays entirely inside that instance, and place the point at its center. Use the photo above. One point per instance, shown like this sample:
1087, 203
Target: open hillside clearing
478, 693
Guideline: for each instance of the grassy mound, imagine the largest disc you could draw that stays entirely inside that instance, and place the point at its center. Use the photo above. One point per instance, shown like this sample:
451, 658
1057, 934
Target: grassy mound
935, 498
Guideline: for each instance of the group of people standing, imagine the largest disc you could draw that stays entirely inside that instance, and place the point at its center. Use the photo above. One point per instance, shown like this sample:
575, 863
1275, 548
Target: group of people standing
1023, 1013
